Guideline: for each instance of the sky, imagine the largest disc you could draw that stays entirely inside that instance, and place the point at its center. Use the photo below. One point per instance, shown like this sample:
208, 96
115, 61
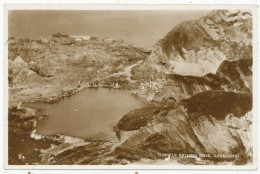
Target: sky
142, 28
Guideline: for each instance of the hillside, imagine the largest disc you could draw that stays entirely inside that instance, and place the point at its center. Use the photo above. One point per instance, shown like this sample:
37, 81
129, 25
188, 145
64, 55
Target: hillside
57, 65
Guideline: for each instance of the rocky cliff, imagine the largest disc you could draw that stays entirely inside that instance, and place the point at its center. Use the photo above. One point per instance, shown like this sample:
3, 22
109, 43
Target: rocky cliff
231, 76
204, 102
198, 47
212, 122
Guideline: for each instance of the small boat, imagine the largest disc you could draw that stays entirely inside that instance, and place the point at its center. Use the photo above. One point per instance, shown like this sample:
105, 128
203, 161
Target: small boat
76, 110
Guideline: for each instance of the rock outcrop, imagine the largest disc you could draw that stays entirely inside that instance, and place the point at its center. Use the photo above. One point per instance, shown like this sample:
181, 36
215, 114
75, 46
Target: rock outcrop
231, 76
20, 73
212, 122
198, 47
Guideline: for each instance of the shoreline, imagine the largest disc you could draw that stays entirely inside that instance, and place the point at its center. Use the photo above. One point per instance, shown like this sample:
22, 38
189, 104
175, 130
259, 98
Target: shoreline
46, 142
59, 138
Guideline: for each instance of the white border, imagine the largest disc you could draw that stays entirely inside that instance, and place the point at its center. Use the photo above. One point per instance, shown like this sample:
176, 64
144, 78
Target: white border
132, 7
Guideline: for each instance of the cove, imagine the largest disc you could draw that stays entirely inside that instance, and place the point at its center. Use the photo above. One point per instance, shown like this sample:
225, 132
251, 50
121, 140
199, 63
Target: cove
90, 113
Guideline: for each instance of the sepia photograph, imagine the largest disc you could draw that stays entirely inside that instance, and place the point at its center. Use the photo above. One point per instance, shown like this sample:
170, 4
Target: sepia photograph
121, 88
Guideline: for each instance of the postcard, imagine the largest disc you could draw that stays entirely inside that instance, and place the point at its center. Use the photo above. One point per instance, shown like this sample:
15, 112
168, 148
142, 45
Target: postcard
130, 86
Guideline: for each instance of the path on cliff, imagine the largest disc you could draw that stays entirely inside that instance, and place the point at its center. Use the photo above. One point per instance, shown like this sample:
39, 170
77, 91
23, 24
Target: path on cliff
127, 71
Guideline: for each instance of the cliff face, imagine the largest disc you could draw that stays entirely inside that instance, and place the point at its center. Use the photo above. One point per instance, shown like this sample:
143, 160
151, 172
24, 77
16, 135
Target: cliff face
212, 122
204, 103
198, 47
231, 76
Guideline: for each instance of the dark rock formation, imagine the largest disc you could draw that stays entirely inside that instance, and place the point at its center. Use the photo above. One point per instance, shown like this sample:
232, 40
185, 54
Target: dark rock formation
195, 125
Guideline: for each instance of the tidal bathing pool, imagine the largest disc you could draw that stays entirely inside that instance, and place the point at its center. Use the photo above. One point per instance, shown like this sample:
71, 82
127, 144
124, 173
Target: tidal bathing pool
90, 113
